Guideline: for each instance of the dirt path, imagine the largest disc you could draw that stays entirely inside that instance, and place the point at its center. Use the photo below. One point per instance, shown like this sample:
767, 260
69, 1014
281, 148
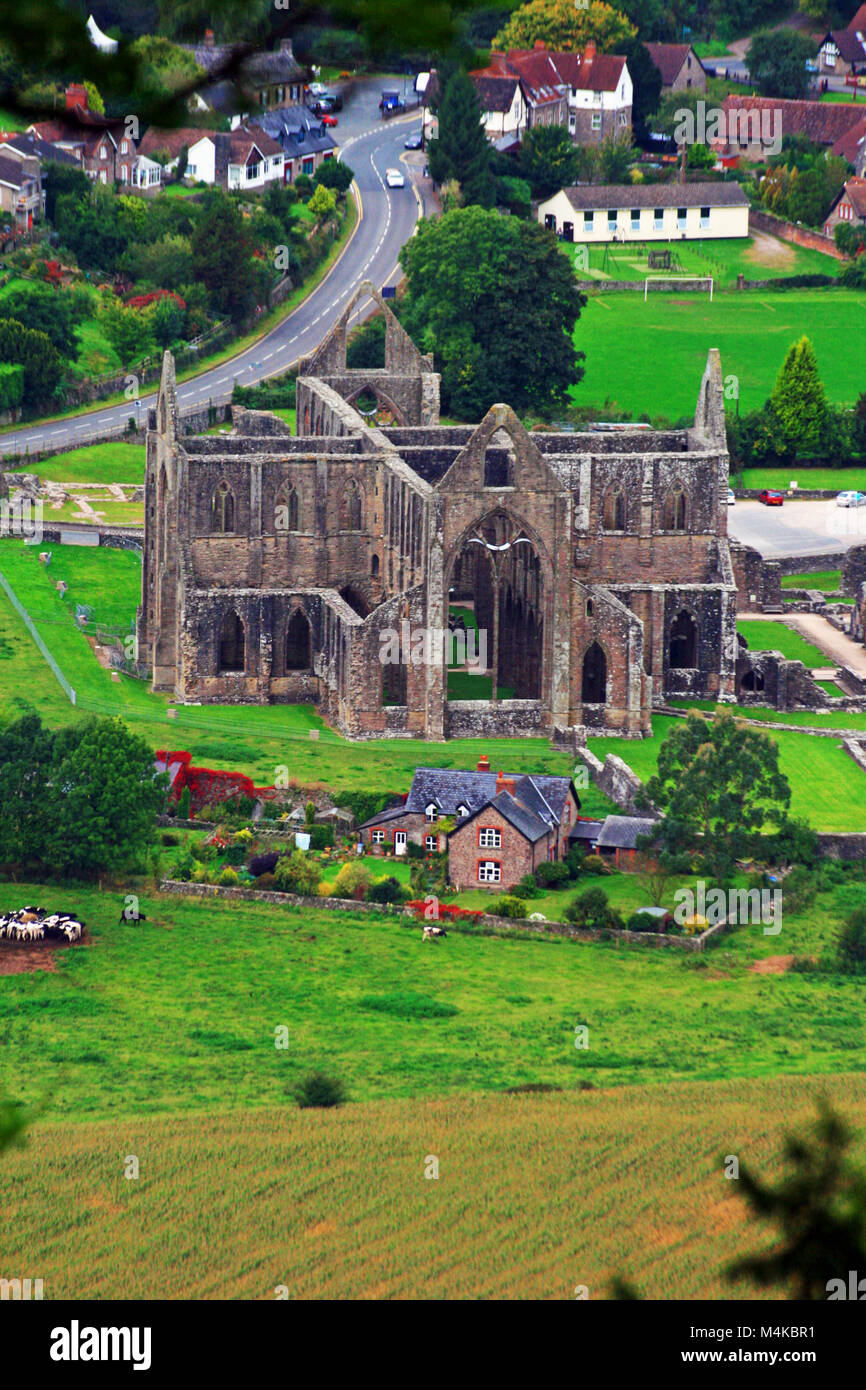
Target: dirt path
844, 650
768, 250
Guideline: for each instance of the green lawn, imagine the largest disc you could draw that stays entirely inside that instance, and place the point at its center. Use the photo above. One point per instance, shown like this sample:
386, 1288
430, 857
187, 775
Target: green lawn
650, 357
724, 258
114, 462
764, 636
764, 715
839, 97
827, 787
831, 688
830, 479
177, 1014
827, 581
463, 685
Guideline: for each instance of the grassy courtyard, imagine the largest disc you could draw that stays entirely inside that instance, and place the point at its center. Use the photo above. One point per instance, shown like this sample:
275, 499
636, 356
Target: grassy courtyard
764, 636
648, 358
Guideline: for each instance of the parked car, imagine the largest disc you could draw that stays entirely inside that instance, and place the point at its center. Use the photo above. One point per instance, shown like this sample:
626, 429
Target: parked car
851, 499
394, 178
731, 499
415, 142
328, 119
771, 497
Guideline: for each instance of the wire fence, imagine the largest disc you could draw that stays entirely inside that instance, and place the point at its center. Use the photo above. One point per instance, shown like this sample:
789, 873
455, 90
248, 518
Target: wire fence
28, 623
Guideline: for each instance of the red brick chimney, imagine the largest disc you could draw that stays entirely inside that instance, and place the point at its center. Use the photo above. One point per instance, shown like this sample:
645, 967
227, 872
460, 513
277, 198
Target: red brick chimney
589, 52
540, 46
76, 95
504, 784
483, 763
497, 60
208, 38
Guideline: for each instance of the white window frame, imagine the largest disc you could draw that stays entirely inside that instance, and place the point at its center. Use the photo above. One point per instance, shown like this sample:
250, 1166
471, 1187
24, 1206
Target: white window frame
377, 837
658, 219
490, 837
489, 871
431, 843
431, 814
596, 120
635, 220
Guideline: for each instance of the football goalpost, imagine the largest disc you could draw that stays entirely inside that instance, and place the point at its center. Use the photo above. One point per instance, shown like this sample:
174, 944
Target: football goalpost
678, 280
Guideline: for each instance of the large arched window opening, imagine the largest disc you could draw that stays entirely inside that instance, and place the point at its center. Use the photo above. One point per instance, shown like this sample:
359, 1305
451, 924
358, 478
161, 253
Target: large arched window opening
223, 510
231, 653
350, 519
614, 510
594, 683
288, 511
683, 654
299, 642
675, 510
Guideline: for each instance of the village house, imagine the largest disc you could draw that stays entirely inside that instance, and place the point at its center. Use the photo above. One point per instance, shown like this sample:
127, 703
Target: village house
647, 212
495, 827
852, 146
849, 208
843, 51
755, 124
263, 82
589, 92
679, 65
243, 158
21, 196
91, 140
305, 141
615, 838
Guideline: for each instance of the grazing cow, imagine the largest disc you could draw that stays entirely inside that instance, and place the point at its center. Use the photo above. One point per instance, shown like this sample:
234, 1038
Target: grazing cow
433, 933
129, 914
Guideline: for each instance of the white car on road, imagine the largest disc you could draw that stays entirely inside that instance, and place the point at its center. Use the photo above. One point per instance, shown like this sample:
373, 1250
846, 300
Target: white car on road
731, 498
394, 178
851, 499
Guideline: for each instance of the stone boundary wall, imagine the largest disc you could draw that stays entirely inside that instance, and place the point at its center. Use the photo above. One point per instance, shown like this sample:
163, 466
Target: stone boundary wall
117, 537
686, 284
809, 564
811, 494
516, 926
789, 231
615, 778
194, 421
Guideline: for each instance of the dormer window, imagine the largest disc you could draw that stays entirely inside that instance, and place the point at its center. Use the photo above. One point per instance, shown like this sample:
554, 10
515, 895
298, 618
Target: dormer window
431, 813
462, 810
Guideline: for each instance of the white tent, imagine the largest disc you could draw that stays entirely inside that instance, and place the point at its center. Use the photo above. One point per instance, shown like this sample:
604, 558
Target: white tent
98, 39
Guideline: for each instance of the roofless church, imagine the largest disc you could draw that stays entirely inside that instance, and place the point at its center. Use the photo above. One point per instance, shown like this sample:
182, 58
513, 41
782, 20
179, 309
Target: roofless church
275, 565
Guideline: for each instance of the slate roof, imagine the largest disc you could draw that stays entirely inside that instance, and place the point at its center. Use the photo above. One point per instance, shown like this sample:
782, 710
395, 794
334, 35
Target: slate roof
537, 802
38, 149
823, 122
279, 66
296, 129
669, 58
623, 832
13, 173
586, 830
592, 197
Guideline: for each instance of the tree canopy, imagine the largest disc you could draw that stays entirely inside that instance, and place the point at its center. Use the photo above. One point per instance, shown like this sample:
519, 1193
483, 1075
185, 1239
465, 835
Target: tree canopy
561, 24
777, 63
496, 301
718, 783
461, 152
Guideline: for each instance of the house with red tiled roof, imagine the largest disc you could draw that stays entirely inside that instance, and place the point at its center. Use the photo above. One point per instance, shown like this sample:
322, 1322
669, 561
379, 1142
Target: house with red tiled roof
852, 146
755, 126
245, 157
589, 92
843, 51
680, 67
849, 207
91, 140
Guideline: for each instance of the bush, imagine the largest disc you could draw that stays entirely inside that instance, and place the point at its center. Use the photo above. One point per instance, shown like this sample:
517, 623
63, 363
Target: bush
303, 186
387, 890
552, 875
590, 909
167, 838
263, 863
184, 867
228, 878
321, 836
645, 921
235, 854
184, 804
297, 873
324, 889
265, 882
353, 881
318, 1091
575, 859
593, 864
851, 943
508, 906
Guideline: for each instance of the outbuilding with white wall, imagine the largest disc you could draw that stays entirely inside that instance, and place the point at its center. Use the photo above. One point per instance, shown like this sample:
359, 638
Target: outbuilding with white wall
647, 212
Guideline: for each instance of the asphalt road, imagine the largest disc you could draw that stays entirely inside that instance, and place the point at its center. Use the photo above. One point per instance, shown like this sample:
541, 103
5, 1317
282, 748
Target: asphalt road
797, 528
388, 218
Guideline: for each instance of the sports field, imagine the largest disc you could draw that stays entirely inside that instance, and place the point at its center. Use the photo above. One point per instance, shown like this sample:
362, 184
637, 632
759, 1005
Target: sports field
648, 358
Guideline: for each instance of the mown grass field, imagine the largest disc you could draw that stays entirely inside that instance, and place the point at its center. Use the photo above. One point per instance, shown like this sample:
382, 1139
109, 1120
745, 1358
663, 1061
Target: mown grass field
851, 479
764, 636
825, 580
114, 462
535, 1195
650, 357
724, 258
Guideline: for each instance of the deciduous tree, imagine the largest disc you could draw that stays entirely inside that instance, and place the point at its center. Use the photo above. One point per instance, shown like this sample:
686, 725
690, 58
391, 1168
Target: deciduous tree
561, 24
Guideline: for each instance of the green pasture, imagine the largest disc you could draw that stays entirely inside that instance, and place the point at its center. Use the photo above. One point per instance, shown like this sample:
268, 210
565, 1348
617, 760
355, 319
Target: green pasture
722, 257
827, 581
851, 479
764, 636
648, 358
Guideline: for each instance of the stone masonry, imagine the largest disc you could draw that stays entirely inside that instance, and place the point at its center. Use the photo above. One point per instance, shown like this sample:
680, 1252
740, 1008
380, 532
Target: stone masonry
277, 568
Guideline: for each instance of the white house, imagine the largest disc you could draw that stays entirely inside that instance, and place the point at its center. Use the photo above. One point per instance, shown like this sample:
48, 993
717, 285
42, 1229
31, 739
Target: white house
647, 212
590, 92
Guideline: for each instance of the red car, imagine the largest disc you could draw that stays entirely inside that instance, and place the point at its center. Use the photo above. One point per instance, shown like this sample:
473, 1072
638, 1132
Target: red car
328, 119
771, 498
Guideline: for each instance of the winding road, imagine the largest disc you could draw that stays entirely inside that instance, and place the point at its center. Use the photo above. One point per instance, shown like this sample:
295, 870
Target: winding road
387, 220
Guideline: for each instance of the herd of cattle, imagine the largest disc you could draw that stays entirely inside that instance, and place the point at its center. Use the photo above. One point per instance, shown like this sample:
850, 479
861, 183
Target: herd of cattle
34, 924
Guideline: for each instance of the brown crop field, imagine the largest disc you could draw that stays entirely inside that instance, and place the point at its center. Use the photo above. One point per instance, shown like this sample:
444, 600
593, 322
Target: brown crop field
536, 1195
